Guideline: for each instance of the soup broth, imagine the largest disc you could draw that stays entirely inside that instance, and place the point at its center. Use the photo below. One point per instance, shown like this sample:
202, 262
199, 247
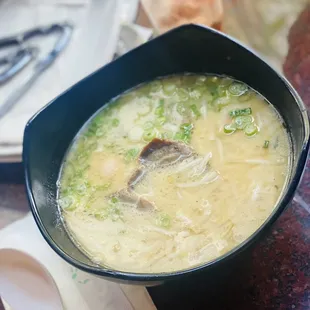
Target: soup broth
174, 173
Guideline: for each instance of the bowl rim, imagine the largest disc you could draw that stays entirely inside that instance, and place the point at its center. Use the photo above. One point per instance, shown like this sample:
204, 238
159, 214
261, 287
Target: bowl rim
158, 277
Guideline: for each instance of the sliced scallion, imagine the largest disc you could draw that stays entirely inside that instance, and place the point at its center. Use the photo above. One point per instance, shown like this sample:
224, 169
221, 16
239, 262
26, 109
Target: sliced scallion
99, 132
187, 127
229, 128
114, 199
240, 112
160, 110
102, 187
182, 94
181, 108
161, 120
181, 136
237, 89
169, 88
242, 121
251, 130
195, 94
115, 122
248, 95
225, 82
164, 221
266, 144
195, 110
221, 102
185, 133
131, 154
148, 125
100, 216
67, 203
149, 135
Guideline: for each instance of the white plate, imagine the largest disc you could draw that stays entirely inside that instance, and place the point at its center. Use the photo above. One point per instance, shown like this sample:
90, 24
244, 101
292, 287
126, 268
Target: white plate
97, 24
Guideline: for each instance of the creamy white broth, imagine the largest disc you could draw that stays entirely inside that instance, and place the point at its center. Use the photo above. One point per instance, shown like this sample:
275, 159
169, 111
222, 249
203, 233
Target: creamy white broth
213, 195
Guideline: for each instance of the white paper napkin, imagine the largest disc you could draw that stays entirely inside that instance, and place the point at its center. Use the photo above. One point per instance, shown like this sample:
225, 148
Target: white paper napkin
78, 289
96, 33
93, 43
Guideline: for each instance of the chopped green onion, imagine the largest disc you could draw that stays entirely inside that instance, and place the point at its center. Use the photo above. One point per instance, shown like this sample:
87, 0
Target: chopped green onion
167, 135
181, 108
148, 125
145, 109
100, 132
131, 154
237, 89
230, 128
222, 88
97, 120
222, 92
240, 112
114, 200
112, 211
221, 102
251, 130
185, 134
211, 86
246, 96
195, 110
91, 130
181, 136
266, 144
149, 135
115, 122
183, 95
242, 121
79, 172
164, 221
102, 187
160, 110
169, 88
195, 94
81, 188
100, 215
225, 82
67, 203
161, 120
187, 127
201, 89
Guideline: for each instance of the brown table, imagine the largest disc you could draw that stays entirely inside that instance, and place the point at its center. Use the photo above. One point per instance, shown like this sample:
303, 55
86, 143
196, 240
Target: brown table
279, 275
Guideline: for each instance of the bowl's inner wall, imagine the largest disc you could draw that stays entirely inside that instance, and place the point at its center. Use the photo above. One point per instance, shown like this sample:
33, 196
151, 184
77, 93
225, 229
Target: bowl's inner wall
187, 49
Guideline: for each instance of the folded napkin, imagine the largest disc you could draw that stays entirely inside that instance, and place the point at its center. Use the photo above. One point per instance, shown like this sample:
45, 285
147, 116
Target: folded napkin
96, 28
78, 289
52, 2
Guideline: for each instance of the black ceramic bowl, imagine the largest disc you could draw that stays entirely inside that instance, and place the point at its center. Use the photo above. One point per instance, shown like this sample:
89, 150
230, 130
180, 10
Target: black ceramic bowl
189, 48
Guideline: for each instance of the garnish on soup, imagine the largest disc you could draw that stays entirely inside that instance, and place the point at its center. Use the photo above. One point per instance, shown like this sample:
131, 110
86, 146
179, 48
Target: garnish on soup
174, 173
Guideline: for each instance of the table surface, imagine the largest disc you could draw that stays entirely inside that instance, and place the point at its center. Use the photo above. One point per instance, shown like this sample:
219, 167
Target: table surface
279, 275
